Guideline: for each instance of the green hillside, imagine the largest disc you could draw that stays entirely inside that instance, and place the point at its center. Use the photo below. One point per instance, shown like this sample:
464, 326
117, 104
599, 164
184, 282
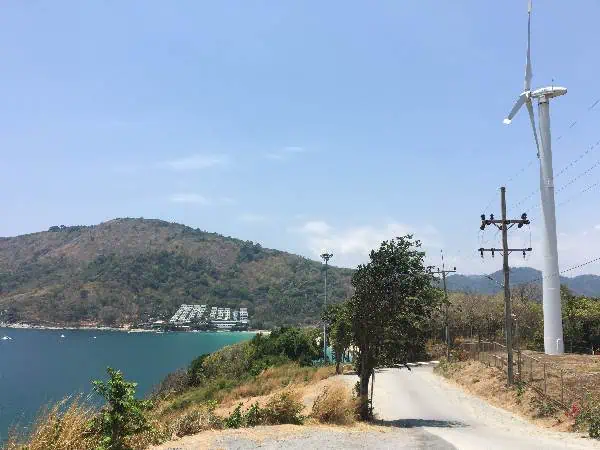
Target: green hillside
129, 270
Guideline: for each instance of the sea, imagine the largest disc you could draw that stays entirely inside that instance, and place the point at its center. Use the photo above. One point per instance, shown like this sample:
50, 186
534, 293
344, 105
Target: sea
39, 367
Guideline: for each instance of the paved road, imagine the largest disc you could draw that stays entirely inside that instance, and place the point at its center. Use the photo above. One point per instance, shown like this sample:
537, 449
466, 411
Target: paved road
429, 406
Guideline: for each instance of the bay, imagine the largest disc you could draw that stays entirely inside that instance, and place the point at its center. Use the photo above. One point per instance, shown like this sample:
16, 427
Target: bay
38, 367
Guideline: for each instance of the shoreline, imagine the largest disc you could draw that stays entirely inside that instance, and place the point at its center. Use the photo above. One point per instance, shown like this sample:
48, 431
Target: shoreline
25, 326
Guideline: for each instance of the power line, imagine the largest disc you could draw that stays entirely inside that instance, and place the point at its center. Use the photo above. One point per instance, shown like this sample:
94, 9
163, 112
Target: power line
563, 271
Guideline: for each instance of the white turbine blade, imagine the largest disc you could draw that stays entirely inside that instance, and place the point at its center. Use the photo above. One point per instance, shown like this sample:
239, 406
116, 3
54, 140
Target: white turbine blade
532, 119
515, 108
528, 73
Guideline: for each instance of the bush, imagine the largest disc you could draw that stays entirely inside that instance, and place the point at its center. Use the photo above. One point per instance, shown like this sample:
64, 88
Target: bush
284, 407
254, 416
543, 407
196, 420
589, 417
64, 426
173, 384
335, 405
235, 419
122, 416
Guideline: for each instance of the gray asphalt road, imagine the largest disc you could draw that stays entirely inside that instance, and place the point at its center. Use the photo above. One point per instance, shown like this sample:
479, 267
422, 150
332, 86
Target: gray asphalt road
424, 402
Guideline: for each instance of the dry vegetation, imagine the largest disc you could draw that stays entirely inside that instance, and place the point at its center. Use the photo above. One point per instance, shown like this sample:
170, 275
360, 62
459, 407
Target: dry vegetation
489, 383
62, 427
282, 394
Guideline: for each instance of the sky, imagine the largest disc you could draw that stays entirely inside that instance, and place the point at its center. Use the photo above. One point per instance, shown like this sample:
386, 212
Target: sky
300, 125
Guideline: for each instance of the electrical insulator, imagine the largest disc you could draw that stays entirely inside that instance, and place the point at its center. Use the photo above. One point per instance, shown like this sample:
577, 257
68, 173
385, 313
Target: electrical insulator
523, 254
491, 217
492, 253
483, 217
481, 251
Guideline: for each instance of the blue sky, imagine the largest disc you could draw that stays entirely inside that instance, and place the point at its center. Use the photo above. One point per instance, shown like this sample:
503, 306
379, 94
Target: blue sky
296, 124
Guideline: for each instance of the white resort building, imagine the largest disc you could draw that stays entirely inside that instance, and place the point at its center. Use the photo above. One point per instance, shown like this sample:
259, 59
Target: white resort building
219, 317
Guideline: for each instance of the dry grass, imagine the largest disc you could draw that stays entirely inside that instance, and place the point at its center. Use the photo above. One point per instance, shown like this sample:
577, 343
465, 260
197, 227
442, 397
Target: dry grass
276, 378
489, 383
63, 426
335, 405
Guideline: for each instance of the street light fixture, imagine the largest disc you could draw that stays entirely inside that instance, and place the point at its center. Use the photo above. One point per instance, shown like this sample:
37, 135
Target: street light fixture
326, 256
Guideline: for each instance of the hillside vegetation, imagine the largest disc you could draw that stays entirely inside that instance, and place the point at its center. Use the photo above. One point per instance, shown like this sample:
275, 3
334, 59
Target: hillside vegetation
130, 270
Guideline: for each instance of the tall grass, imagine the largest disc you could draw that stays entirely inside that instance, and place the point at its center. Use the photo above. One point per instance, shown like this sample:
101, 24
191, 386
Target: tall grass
335, 405
63, 426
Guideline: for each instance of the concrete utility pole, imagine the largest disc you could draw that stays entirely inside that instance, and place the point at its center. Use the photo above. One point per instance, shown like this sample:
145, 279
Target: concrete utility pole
504, 224
443, 272
326, 257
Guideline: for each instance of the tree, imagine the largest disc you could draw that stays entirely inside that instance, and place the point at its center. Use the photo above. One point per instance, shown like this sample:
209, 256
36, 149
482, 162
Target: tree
123, 414
390, 311
337, 316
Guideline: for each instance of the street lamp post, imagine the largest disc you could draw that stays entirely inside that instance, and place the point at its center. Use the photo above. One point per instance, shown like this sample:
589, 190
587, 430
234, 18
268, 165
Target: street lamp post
326, 257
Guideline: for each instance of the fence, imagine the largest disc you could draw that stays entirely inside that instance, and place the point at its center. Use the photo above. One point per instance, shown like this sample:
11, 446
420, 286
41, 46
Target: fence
560, 386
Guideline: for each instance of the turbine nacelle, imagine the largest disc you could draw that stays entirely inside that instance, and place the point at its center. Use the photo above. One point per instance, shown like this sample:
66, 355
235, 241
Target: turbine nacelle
549, 92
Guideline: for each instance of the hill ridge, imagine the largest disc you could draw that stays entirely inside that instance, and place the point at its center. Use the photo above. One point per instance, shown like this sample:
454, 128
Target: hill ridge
129, 269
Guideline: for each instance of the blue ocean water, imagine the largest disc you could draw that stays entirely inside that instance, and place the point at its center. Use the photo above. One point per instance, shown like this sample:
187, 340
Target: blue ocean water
39, 366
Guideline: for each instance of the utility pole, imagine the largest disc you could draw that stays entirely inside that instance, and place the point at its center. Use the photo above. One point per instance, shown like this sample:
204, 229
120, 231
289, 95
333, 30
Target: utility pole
443, 272
504, 225
326, 257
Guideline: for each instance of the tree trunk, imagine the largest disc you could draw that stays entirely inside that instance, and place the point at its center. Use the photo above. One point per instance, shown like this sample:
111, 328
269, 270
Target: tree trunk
337, 367
365, 374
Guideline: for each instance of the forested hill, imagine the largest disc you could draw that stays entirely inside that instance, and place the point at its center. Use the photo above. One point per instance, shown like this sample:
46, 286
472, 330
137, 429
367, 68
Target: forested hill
127, 270
588, 285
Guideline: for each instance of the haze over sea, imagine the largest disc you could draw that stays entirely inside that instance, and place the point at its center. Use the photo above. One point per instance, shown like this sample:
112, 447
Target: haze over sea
38, 366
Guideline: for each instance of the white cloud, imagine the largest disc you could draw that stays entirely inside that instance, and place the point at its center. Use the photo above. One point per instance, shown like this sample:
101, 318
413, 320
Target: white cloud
196, 162
252, 218
285, 153
351, 246
189, 198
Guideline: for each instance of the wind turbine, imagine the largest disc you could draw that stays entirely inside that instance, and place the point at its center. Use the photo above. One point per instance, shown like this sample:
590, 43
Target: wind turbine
553, 332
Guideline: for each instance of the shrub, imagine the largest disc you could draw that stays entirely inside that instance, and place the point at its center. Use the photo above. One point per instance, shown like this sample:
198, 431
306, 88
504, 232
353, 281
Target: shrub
173, 384
235, 419
284, 407
589, 417
543, 407
64, 426
122, 416
196, 420
334, 405
254, 416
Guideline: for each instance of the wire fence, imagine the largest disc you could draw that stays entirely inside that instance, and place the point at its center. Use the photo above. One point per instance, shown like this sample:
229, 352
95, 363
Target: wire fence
563, 387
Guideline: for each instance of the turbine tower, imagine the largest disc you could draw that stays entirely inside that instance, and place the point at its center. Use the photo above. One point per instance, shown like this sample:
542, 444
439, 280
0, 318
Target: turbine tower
553, 332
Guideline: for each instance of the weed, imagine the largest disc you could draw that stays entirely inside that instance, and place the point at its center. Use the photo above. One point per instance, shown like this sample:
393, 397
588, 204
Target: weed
64, 426
543, 407
284, 407
520, 388
334, 405
196, 420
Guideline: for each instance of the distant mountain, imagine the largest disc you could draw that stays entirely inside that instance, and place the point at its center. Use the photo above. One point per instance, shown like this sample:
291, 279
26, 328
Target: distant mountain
588, 285
128, 270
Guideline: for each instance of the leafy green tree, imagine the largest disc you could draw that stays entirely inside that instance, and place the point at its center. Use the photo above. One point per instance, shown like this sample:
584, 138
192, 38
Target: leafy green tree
337, 316
123, 415
390, 310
